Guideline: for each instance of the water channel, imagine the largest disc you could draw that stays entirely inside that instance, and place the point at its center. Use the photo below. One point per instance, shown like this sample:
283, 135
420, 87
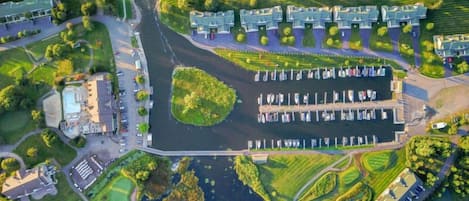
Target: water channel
165, 49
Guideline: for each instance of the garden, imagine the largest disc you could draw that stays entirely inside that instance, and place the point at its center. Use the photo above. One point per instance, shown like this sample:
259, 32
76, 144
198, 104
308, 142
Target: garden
200, 99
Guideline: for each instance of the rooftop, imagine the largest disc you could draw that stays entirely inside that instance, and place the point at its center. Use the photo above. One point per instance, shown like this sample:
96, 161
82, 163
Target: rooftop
398, 189
15, 8
451, 45
407, 13
101, 102
299, 15
25, 182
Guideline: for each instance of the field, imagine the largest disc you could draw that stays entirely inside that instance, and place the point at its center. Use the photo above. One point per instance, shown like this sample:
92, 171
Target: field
324, 185
349, 176
285, 174
64, 190
13, 125
199, 98
378, 161
255, 61
119, 189
61, 152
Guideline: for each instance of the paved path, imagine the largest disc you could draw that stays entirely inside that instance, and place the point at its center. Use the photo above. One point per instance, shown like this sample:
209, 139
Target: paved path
15, 156
386, 104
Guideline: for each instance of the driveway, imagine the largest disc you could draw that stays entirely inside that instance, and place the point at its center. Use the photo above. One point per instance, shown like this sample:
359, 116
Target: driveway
365, 36
345, 35
298, 33
416, 45
319, 35
394, 34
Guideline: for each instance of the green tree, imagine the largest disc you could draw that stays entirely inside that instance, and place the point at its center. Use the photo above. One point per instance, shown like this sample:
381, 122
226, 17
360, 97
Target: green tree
142, 111
211, 5
183, 4
65, 67
32, 152
142, 95
143, 128
20, 34
241, 37
38, 117
291, 40
10, 165
88, 8
142, 175
407, 28
87, 24
382, 31
28, 15
264, 40
69, 26
330, 42
287, 31
333, 30
248, 174
10, 98
252, 3
192, 101
462, 67
140, 79
453, 129
48, 137
430, 26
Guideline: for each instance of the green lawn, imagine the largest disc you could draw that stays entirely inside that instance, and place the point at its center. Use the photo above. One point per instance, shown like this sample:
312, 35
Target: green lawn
64, 190
176, 19
308, 37
336, 40
324, 185
355, 39
134, 42
286, 174
128, 8
38, 48
349, 176
61, 152
13, 125
119, 189
406, 49
13, 63
432, 64
342, 164
199, 98
378, 161
380, 43
255, 61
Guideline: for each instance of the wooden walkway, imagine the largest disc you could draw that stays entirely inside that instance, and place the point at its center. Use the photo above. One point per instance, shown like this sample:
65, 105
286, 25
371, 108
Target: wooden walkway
386, 104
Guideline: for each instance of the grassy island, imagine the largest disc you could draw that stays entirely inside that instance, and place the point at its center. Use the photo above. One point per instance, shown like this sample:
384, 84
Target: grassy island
200, 99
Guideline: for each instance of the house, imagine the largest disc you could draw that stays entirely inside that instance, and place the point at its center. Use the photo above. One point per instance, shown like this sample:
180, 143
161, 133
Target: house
363, 16
101, 105
208, 22
402, 188
317, 17
12, 12
410, 14
28, 182
268, 17
451, 45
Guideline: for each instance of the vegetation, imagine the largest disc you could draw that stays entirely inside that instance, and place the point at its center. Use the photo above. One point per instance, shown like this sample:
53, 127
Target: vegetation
140, 79
142, 95
322, 186
406, 49
120, 188
142, 111
143, 127
378, 161
286, 34
10, 165
380, 39
200, 99
57, 150
63, 190
460, 171
248, 173
349, 176
78, 142
356, 39
308, 36
127, 12
134, 42
21, 34
432, 65
186, 189
255, 61
359, 191
453, 121
332, 38
13, 125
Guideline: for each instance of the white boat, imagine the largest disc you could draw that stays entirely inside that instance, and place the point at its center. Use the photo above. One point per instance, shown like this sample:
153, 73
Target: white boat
306, 99
369, 93
341, 73
347, 72
310, 74
263, 118
280, 98
357, 72
297, 98
333, 73
259, 100
336, 96
302, 116
299, 75
384, 115
317, 74
373, 95
383, 72
259, 118
265, 78
359, 115
439, 125
308, 117
256, 77
365, 72
350, 95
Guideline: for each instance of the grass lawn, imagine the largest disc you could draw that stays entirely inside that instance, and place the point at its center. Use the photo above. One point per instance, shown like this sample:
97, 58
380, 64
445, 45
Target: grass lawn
308, 37
378, 161
134, 42
406, 49
255, 61
101, 44
380, 43
336, 40
13, 63
349, 176
451, 17
119, 189
355, 39
199, 98
64, 190
176, 19
286, 174
432, 64
324, 185
13, 125
39, 48
342, 164
61, 152
128, 8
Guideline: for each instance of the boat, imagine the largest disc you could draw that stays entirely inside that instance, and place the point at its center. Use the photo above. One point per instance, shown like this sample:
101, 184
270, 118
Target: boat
383, 72
297, 98
347, 72
280, 98
326, 116
439, 125
273, 76
302, 116
272, 98
259, 100
359, 115
317, 75
372, 72
275, 117
299, 75
324, 74
357, 72
352, 72
343, 116
368, 93
350, 95
373, 95
263, 118
365, 72
265, 77
283, 75
341, 73
268, 118
360, 96
256, 77
306, 99
308, 116
336, 96
384, 115
373, 114
259, 118
310, 74
333, 73
332, 115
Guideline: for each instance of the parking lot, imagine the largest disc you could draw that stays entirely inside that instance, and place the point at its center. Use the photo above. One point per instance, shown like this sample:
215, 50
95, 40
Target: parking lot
85, 172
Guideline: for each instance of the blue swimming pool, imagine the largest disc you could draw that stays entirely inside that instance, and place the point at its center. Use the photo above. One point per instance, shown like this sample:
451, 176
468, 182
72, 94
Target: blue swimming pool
70, 104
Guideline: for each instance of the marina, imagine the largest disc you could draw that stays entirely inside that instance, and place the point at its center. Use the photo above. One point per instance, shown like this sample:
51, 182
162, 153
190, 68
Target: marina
322, 73
313, 143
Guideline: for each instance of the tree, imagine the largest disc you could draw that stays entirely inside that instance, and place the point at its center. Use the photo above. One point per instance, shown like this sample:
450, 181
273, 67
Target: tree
142, 175
87, 23
211, 4
58, 50
28, 15
453, 130
140, 79
49, 137
143, 128
333, 30
10, 98
382, 31
69, 26
142, 95
38, 117
65, 67
264, 40
407, 28
32, 152
462, 67
142, 111
430, 26
10, 165
183, 4
287, 31
241, 37
192, 101
431, 179
330, 42
252, 3
88, 8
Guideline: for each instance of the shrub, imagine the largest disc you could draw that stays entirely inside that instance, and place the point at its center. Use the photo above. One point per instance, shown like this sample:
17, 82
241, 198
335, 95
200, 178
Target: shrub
430, 26
287, 31
264, 40
141, 95
330, 42
241, 37
142, 111
333, 30
407, 28
382, 31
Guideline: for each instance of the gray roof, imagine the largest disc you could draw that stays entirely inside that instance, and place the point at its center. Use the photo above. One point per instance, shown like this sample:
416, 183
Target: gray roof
400, 188
101, 103
16, 8
252, 19
316, 16
26, 182
409, 13
362, 15
451, 45
204, 21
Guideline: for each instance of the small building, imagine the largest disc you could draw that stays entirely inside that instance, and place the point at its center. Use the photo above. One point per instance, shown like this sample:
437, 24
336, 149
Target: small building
251, 20
12, 12
410, 14
101, 105
402, 188
451, 45
210, 22
37, 182
363, 16
260, 158
317, 17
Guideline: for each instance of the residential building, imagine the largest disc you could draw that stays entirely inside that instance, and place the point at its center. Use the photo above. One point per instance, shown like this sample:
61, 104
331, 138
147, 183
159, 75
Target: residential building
28, 182
451, 45
268, 17
402, 188
410, 14
11, 12
317, 17
363, 16
101, 105
207, 22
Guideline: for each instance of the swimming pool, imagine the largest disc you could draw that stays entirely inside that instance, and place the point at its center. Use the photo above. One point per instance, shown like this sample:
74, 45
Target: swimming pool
70, 104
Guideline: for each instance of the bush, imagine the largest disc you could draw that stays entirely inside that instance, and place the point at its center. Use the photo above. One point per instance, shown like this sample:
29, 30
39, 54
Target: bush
241, 37
324, 185
143, 127
140, 79
78, 142
407, 28
142, 111
10, 165
264, 40
430, 26
333, 30
248, 174
330, 41
142, 95
382, 31
32, 152
287, 31
49, 137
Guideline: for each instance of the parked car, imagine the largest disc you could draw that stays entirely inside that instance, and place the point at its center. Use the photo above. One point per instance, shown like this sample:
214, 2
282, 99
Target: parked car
119, 73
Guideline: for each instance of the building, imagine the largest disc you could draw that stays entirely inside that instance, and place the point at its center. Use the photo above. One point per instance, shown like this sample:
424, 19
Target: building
317, 17
402, 188
363, 16
11, 12
208, 22
29, 182
268, 17
100, 105
451, 45
410, 14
